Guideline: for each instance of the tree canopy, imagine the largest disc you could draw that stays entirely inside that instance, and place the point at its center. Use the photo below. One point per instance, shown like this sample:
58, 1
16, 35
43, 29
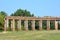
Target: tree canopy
21, 12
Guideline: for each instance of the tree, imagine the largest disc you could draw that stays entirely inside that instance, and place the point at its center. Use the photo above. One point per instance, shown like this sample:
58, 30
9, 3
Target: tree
21, 12
2, 16
3, 13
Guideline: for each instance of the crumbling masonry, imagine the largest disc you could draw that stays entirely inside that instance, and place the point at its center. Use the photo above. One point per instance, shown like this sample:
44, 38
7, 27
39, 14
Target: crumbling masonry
40, 19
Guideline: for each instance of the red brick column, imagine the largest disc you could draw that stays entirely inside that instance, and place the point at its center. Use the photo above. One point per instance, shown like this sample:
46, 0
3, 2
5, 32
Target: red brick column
26, 25
56, 25
19, 24
33, 24
13, 25
40, 25
48, 24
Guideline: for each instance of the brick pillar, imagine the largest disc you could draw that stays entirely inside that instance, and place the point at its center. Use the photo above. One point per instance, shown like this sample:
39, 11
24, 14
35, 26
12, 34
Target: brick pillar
6, 24
13, 25
33, 24
26, 25
19, 25
40, 25
48, 24
56, 25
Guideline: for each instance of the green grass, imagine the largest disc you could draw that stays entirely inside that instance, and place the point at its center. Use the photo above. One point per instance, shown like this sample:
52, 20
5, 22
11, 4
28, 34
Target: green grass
31, 35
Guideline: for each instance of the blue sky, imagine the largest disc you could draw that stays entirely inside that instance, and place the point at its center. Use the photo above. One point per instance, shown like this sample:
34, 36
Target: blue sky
38, 7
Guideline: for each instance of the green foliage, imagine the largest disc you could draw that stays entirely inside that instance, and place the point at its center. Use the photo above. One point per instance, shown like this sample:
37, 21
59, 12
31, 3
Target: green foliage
44, 24
2, 16
52, 25
21, 12
3, 13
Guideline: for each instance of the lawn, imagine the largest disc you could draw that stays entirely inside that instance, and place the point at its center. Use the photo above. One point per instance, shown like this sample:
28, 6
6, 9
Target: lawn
31, 35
